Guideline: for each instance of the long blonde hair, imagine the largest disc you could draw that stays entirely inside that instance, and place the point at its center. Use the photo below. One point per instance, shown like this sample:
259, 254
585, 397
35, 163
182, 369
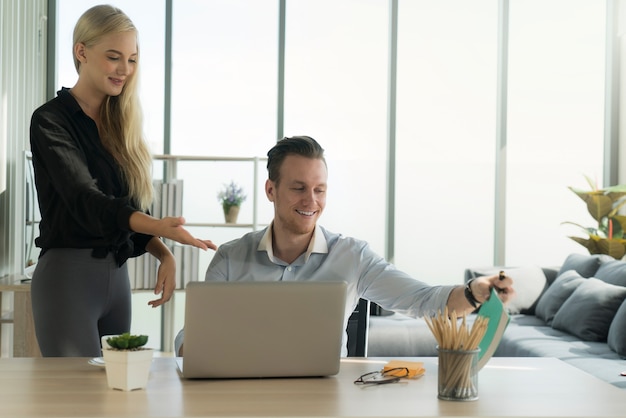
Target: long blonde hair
121, 116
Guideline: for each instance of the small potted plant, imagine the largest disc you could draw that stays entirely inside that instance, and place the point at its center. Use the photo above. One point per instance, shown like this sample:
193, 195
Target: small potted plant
127, 361
231, 197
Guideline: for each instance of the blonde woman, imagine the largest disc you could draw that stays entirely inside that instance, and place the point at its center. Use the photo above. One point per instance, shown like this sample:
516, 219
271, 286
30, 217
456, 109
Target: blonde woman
93, 178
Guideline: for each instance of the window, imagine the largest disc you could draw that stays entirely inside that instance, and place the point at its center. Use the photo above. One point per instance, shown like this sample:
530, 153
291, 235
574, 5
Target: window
555, 123
224, 65
151, 29
445, 137
336, 91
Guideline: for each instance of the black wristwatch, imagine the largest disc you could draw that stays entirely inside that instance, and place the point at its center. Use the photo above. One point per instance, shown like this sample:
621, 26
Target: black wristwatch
469, 295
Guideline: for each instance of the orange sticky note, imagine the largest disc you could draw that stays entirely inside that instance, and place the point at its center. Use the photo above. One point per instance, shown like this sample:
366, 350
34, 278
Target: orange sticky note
416, 368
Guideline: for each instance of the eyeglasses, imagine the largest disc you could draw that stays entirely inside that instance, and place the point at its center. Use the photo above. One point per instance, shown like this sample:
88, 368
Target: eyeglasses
382, 377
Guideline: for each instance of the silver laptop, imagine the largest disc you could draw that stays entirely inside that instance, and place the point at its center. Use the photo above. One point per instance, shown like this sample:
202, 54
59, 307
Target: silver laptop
263, 329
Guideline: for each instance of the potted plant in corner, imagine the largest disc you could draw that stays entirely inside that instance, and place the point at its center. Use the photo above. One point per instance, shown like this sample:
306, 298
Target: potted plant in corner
604, 205
127, 362
231, 197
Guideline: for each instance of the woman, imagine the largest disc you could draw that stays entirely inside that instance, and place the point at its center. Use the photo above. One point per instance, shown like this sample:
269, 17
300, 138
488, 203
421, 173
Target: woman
93, 178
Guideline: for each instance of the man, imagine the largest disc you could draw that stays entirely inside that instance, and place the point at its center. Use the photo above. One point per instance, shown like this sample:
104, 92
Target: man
295, 247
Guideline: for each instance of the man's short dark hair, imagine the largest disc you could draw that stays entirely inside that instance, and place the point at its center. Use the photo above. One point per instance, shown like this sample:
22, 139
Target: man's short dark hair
295, 145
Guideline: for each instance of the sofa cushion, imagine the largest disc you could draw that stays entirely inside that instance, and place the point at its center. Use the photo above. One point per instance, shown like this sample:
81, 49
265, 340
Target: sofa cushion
529, 282
556, 294
524, 338
613, 272
586, 265
589, 311
617, 332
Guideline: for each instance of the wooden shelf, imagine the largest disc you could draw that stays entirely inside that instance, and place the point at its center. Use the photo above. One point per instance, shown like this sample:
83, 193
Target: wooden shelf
6, 317
221, 225
24, 340
171, 173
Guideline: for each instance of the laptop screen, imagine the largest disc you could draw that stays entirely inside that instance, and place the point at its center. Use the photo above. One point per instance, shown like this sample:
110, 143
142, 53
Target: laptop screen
263, 329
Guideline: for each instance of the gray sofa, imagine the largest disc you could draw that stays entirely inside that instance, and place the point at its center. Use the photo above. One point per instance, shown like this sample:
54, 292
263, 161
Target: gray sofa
575, 312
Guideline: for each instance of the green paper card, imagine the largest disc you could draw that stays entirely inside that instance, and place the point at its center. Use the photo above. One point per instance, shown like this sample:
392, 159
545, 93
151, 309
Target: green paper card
494, 310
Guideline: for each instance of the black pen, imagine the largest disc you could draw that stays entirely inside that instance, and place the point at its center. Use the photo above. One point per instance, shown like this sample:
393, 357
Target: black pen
501, 277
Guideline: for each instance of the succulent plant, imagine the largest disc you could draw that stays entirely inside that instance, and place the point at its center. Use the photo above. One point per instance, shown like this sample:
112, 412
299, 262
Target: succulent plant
127, 341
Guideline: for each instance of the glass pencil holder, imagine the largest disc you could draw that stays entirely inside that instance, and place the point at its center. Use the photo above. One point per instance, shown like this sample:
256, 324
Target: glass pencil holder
458, 374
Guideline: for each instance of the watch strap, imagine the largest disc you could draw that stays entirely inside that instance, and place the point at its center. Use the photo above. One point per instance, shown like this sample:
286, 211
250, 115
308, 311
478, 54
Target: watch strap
469, 295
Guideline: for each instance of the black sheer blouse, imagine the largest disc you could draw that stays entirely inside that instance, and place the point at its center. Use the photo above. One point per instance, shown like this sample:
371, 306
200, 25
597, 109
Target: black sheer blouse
83, 200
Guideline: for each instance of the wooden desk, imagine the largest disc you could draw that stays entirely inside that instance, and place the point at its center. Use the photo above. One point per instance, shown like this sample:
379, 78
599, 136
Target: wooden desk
24, 340
508, 387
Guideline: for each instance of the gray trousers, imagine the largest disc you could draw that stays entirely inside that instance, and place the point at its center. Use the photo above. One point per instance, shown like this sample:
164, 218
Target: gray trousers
77, 299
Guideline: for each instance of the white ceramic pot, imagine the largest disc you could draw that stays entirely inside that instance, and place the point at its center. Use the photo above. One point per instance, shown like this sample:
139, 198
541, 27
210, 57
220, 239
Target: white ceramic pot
127, 370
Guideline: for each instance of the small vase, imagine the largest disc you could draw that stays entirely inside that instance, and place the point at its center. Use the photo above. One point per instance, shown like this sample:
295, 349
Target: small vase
230, 214
127, 370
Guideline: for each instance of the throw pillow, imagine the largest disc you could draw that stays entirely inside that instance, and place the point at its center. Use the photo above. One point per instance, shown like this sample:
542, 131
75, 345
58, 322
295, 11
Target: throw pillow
586, 265
528, 282
617, 331
613, 272
556, 294
588, 313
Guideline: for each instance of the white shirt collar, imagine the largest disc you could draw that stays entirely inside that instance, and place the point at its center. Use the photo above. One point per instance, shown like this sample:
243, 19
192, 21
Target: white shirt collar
318, 243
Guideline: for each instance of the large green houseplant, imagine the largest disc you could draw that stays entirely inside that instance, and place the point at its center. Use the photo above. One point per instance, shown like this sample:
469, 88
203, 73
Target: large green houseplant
604, 205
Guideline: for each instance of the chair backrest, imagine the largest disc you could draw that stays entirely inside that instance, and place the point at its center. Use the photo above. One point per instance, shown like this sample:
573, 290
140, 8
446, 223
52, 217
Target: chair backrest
358, 324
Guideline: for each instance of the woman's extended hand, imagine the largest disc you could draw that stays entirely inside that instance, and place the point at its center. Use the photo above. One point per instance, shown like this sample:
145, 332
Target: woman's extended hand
170, 227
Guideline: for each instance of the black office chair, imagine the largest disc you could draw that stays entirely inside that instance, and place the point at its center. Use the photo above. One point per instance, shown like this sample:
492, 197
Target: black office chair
357, 329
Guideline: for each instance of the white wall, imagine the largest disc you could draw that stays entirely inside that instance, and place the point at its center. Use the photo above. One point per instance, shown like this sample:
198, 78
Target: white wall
23, 71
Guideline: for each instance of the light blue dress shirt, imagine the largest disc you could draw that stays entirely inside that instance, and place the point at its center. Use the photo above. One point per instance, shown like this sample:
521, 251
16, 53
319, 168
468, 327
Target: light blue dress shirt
329, 257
